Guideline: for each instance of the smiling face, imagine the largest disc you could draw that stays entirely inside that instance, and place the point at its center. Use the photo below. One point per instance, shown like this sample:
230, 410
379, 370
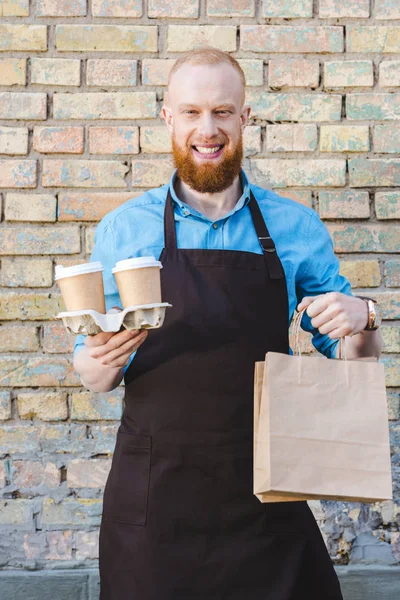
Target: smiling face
205, 115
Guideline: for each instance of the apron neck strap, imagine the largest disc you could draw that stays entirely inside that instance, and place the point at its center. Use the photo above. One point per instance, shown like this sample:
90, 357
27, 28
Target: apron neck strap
169, 224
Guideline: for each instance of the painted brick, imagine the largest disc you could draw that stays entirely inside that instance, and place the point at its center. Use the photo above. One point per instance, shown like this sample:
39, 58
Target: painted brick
290, 9
293, 72
56, 339
23, 38
91, 473
90, 406
5, 406
253, 71
48, 406
285, 38
329, 9
291, 138
17, 173
26, 306
302, 196
83, 206
19, 339
2, 474
361, 273
59, 544
71, 512
32, 372
298, 173
114, 140
374, 172
182, 38
16, 512
38, 240
365, 238
151, 172
56, 71
62, 140
387, 205
89, 239
30, 207
155, 71
84, 173
26, 272
252, 140
28, 440
14, 105
14, 140
117, 8
230, 8
14, 8
389, 73
103, 437
380, 107
12, 71
106, 38
87, 545
348, 73
294, 107
391, 339
18, 439
393, 399
392, 273
372, 38
387, 138
61, 8
179, 9
344, 138
392, 370
109, 72
155, 140
386, 10
99, 105
344, 205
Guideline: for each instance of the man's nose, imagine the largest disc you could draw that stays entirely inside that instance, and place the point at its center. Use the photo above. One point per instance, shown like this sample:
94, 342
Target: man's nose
208, 127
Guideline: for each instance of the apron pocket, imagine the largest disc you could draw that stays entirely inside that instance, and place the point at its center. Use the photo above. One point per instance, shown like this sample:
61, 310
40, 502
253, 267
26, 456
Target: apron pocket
127, 489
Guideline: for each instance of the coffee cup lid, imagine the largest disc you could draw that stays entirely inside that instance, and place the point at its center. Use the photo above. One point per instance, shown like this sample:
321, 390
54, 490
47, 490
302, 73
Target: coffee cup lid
139, 262
91, 267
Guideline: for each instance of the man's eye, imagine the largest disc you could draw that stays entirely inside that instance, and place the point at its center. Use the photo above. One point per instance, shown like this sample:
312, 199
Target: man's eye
190, 112
223, 112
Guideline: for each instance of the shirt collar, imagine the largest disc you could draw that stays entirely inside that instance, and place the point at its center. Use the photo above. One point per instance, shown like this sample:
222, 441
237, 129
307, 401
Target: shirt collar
185, 209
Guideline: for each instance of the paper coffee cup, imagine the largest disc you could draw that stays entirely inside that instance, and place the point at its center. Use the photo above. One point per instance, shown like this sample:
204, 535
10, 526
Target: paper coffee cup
138, 281
82, 286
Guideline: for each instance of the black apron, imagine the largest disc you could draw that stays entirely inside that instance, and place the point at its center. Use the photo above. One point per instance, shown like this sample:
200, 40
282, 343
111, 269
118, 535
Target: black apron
180, 521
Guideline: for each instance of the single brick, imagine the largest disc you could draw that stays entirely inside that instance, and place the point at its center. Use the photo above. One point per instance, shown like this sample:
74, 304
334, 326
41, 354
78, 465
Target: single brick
18, 439
23, 38
26, 306
182, 38
49, 406
291, 138
90, 406
117, 8
32, 473
114, 140
294, 107
386, 10
14, 512
374, 172
330, 9
84, 173
103, 437
372, 38
155, 140
285, 38
365, 238
106, 38
155, 71
19, 338
392, 273
89, 239
59, 544
361, 273
14, 140
392, 370
61, 8
41, 372
379, 107
293, 72
253, 71
83, 206
344, 205
391, 339
27, 272
56, 71
151, 172
30, 207
87, 545
252, 140
5, 406
109, 72
14, 8
99, 105
387, 139
299, 172
230, 8
17, 173
93, 473
348, 73
290, 9
389, 73
393, 399
387, 205
71, 512
12, 71
34, 239
344, 138
179, 9
62, 140
56, 339
2, 474
14, 105
301, 196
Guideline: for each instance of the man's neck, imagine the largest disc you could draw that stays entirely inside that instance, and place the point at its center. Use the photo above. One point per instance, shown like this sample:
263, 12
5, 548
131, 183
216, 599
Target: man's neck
213, 206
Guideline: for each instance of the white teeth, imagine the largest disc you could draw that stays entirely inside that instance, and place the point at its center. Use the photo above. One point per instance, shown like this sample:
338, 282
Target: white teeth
207, 150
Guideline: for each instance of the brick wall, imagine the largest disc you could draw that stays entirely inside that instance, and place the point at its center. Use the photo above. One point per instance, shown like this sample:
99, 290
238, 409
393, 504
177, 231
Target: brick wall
81, 88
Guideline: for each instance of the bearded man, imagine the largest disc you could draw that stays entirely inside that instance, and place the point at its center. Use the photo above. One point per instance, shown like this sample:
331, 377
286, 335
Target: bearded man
180, 521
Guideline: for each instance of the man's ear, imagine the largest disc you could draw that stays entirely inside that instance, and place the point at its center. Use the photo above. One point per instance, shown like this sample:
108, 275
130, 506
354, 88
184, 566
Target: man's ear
166, 114
244, 115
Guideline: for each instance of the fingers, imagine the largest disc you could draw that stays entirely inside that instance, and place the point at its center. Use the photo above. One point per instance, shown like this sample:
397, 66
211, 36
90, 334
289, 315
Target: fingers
113, 343
91, 341
120, 356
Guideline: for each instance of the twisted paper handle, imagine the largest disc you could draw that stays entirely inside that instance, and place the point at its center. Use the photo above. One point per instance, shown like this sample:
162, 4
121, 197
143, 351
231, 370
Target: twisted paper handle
296, 327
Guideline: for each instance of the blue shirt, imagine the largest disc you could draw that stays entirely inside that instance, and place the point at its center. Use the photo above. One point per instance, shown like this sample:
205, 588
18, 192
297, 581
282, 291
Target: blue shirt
304, 246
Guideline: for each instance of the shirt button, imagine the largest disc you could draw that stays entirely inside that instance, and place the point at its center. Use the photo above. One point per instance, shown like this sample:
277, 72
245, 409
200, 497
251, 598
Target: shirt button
186, 212
215, 226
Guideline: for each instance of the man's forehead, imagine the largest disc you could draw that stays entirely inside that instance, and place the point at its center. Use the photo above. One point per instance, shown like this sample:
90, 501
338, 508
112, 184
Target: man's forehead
218, 83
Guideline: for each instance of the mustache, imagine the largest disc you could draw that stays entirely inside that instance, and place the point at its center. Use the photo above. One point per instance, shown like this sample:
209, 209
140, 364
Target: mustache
218, 140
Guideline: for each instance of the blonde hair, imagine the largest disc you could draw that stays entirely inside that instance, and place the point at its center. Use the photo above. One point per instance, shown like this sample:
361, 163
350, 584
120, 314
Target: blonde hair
207, 56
